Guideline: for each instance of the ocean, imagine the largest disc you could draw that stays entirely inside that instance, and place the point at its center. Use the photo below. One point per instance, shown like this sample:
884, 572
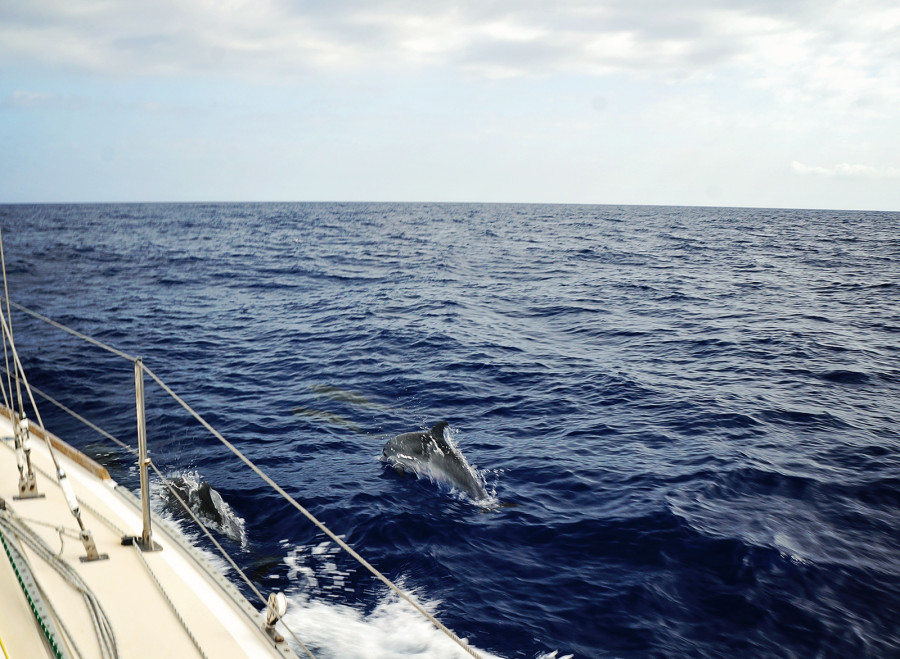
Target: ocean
688, 419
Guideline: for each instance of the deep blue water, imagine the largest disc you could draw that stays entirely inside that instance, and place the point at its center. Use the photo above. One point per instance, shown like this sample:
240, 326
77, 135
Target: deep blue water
690, 417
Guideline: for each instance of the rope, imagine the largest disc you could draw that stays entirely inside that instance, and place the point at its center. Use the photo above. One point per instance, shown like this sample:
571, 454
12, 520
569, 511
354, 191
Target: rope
102, 627
105, 634
14, 524
66, 635
340, 543
61, 530
174, 493
31, 603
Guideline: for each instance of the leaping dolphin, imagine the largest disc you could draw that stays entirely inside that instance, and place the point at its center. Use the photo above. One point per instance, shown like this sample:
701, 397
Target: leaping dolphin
429, 453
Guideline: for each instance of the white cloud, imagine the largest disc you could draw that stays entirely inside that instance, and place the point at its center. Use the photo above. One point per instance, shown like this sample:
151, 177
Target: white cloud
690, 95
837, 55
847, 170
837, 47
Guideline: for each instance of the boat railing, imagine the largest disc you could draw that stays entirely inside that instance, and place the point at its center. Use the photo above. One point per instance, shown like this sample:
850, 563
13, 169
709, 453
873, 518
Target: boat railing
145, 463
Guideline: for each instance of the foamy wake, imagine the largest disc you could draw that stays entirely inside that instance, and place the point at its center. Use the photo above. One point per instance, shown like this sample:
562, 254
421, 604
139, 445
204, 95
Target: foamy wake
392, 629
332, 630
335, 630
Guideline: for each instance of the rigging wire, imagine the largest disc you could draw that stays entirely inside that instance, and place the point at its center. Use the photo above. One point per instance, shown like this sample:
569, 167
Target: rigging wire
85, 337
8, 331
61, 478
335, 538
21, 372
184, 505
315, 521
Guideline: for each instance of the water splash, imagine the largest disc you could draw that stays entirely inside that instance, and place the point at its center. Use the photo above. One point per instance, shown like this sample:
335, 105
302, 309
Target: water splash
393, 629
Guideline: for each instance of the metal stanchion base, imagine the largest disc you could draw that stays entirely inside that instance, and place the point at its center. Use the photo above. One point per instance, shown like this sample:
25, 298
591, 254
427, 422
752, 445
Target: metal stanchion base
137, 540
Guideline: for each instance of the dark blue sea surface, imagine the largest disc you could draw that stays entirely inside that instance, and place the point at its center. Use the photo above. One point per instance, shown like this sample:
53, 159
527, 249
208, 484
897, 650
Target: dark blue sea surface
689, 418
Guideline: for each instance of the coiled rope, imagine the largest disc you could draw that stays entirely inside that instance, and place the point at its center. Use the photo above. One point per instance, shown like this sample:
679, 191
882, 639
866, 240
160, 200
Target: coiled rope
35, 609
102, 627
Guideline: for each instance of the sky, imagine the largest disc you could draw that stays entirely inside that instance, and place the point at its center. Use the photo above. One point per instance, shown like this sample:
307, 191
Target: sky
765, 103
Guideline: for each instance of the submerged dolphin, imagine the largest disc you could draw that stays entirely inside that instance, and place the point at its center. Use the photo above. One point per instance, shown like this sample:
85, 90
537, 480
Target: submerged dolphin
429, 452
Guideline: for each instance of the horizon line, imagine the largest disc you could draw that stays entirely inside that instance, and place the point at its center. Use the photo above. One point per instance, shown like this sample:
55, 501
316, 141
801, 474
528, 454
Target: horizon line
436, 203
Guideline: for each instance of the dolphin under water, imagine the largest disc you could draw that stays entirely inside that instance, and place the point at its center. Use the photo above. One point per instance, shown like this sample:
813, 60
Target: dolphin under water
429, 452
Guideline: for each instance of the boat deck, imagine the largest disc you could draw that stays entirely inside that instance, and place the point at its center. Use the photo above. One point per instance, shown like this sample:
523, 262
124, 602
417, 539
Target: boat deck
145, 624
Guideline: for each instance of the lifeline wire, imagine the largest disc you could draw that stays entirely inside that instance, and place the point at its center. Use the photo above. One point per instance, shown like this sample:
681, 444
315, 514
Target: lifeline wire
102, 627
337, 540
184, 505
9, 315
222, 551
343, 545
57, 325
86, 422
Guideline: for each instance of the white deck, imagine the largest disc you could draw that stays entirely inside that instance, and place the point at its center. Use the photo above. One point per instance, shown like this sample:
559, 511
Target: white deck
144, 623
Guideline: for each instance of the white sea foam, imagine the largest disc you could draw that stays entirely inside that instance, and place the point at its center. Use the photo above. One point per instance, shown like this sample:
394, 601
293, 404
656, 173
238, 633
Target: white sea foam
319, 617
392, 629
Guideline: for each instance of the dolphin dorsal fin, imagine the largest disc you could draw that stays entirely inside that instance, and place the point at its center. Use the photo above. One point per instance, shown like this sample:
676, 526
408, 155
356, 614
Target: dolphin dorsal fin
437, 432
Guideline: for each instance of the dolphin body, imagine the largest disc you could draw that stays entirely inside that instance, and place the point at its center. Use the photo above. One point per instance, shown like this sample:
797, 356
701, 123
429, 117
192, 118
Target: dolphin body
208, 504
429, 452
199, 498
